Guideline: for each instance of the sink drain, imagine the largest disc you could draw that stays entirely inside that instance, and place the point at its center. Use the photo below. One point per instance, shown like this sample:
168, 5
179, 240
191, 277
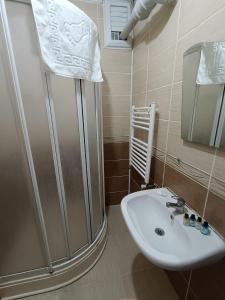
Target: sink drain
159, 231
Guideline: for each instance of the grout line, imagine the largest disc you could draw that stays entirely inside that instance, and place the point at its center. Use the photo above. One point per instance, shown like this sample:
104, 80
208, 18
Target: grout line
117, 192
202, 23
131, 103
118, 141
171, 91
117, 138
175, 121
117, 160
191, 177
189, 165
137, 185
116, 176
120, 159
147, 75
139, 94
120, 96
116, 95
114, 72
183, 172
163, 51
188, 176
209, 183
163, 120
131, 82
114, 116
160, 87
188, 286
139, 69
97, 4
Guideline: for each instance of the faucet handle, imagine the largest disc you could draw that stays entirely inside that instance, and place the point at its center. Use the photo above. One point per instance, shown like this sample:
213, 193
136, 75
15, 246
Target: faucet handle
180, 200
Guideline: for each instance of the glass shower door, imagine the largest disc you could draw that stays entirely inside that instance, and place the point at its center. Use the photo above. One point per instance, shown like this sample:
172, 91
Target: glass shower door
91, 100
22, 246
51, 158
34, 97
66, 110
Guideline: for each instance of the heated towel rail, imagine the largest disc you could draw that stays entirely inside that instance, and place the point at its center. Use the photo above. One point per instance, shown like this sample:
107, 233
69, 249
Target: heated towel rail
140, 152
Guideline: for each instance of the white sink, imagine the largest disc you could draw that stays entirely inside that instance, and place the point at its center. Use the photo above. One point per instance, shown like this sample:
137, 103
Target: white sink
181, 247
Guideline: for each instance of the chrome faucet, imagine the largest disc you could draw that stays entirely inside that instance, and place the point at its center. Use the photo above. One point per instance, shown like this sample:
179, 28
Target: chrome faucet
180, 205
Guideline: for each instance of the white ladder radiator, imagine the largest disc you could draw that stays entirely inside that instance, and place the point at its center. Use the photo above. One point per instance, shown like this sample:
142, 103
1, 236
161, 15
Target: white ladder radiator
140, 152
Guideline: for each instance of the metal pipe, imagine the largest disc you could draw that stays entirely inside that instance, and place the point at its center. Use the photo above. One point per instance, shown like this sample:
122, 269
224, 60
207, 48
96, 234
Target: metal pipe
140, 11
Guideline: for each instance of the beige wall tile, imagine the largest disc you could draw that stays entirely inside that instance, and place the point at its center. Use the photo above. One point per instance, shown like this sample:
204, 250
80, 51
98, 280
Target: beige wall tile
192, 14
195, 155
161, 97
116, 84
116, 88
100, 10
140, 54
212, 30
101, 32
139, 81
116, 60
160, 69
116, 105
89, 8
116, 126
160, 134
162, 27
160, 154
175, 114
139, 99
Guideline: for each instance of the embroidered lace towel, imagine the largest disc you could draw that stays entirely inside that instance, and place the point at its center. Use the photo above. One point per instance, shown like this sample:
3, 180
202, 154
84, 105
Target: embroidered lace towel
212, 64
68, 39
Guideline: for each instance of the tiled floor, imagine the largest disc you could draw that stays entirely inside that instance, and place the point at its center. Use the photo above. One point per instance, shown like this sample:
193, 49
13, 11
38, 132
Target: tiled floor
122, 273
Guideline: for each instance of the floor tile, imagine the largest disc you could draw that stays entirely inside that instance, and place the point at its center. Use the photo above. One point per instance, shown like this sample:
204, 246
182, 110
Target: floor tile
122, 273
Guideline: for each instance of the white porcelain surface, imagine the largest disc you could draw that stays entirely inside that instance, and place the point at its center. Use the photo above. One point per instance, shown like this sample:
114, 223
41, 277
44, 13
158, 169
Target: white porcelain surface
182, 247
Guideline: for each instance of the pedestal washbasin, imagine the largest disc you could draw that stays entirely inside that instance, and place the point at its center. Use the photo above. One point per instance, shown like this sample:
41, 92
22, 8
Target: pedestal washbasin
161, 235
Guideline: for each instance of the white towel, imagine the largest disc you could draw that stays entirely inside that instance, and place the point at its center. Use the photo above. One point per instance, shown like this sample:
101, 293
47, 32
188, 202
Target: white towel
212, 64
68, 39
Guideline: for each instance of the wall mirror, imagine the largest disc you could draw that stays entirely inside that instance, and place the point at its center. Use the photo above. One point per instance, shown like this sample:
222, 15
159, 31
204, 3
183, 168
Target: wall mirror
203, 94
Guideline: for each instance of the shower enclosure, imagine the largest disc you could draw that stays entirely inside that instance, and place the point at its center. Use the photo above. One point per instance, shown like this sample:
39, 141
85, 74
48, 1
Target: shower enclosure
52, 214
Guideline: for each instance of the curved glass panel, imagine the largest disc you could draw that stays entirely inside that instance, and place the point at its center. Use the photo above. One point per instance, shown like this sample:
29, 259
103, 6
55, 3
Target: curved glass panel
26, 51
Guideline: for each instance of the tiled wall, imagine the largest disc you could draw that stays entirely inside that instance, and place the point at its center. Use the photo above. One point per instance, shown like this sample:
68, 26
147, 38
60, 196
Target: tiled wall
195, 172
116, 91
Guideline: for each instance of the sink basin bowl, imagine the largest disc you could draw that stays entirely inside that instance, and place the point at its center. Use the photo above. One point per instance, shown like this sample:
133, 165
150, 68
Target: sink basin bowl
164, 241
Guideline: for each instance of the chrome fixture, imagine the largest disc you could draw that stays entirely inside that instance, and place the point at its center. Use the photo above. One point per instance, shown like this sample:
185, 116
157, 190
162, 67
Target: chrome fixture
179, 205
